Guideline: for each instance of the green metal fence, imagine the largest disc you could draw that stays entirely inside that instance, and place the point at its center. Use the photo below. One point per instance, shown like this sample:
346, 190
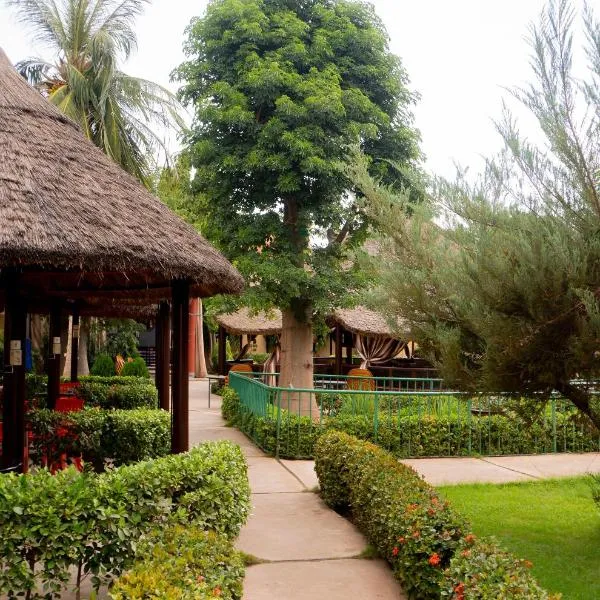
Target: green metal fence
411, 418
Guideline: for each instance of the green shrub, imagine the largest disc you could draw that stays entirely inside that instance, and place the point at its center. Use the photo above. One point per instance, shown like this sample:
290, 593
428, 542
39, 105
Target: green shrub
104, 366
139, 394
113, 380
52, 525
230, 405
401, 515
260, 358
481, 570
135, 368
180, 564
100, 436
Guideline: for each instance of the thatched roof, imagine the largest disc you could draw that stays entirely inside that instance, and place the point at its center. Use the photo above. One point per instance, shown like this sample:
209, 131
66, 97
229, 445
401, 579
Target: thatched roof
242, 323
367, 322
66, 207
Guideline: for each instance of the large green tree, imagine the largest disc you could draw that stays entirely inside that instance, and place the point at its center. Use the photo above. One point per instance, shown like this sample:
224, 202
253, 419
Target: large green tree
125, 116
281, 89
500, 279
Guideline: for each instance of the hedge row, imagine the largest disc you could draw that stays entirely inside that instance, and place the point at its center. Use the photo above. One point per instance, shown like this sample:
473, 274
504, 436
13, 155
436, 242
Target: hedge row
125, 395
429, 547
182, 563
99, 436
409, 436
99, 525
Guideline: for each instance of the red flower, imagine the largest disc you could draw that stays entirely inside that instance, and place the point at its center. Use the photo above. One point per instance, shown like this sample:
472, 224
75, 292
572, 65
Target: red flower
459, 590
395, 551
416, 534
402, 540
412, 507
431, 512
465, 553
470, 538
217, 591
434, 560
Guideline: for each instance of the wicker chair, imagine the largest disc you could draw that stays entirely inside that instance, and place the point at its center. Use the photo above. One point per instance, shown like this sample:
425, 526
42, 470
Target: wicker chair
366, 384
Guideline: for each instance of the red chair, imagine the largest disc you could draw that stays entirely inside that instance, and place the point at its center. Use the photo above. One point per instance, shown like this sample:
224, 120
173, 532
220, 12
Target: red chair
68, 404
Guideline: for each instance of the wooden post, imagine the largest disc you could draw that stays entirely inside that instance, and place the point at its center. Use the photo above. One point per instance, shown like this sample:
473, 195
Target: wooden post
222, 351
179, 377
338, 350
163, 354
75, 344
13, 414
54, 357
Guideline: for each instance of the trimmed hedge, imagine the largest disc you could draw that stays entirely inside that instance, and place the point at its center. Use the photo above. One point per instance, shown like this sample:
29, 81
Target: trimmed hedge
103, 366
136, 368
182, 563
427, 544
100, 436
113, 380
408, 436
52, 524
137, 394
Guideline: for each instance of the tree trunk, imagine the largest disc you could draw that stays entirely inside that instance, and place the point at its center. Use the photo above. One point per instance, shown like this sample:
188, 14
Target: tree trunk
83, 367
581, 399
297, 364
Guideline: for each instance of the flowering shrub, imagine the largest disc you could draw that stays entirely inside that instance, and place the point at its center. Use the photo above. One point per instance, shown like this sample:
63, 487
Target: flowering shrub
482, 570
417, 532
181, 563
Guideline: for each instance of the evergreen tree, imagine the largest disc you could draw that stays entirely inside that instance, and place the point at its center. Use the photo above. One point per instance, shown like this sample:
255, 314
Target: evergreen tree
281, 88
501, 279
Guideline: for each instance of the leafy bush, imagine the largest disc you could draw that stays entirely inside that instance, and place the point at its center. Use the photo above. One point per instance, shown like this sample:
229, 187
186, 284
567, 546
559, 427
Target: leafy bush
181, 563
139, 394
52, 525
260, 358
104, 366
482, 570
230, 405
116, 436
36, 389
136, 368
113, 380
404, 518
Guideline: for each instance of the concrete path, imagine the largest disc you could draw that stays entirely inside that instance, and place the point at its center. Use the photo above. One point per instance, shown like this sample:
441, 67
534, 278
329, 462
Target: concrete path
308, 551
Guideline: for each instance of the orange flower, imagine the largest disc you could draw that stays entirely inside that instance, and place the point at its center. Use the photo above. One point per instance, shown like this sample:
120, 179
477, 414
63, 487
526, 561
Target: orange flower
217, 591
416, 534
395, 551
528, 564
200, 578
431, 512
466, 553
434, 560
459, 590
402, 540
412, 507
470, 538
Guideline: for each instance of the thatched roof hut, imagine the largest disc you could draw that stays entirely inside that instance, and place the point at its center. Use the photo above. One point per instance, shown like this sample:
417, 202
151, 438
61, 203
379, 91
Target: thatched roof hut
362, 321
243, 322
66, 207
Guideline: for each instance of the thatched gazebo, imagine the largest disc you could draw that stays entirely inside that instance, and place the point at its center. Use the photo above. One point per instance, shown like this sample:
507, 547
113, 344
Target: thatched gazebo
243, 322
78, 235
369, 332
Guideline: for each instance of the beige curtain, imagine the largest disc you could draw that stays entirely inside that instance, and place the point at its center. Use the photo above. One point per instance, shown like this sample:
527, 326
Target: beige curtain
376, 350
270, 366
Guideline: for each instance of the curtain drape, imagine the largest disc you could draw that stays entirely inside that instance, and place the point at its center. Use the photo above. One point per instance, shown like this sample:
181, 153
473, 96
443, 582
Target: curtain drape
375, 350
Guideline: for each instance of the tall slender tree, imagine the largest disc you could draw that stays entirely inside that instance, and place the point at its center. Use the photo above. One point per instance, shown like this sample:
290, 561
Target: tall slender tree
500, 279
281, 89
89, 39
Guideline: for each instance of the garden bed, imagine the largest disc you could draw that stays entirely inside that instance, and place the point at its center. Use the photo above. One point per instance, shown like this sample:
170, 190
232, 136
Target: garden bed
554, 524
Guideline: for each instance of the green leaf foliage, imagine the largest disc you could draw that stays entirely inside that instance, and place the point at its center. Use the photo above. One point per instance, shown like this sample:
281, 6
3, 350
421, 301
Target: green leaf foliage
427, 544
135, 368
50, 524
104, 366
280, 90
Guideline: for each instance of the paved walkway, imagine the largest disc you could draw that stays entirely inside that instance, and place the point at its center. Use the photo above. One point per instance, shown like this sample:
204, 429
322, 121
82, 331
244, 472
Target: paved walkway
308, 550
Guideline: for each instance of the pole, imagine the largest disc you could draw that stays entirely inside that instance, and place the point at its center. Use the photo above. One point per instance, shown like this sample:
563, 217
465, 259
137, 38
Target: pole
222, 351
179, 378
54, 356
338, 350
75, 344
163, 354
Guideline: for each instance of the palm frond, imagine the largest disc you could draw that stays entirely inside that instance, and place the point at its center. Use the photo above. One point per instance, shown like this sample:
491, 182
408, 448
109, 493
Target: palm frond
43, 18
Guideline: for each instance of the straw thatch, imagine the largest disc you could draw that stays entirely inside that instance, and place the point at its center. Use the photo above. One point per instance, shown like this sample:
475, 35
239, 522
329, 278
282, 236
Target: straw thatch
367, 322
243, 323
65, 206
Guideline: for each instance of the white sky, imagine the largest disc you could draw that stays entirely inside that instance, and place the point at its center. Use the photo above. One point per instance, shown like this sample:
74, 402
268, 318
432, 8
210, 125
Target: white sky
460, 54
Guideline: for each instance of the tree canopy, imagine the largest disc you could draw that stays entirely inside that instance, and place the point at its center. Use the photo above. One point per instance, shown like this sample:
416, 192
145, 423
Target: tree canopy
116, 111
500, 279
281, 89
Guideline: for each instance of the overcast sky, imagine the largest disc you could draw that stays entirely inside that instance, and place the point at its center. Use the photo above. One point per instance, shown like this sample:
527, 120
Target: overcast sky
460, 54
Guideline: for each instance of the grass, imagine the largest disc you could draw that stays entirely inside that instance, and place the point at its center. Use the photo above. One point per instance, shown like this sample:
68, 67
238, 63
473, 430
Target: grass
554, 523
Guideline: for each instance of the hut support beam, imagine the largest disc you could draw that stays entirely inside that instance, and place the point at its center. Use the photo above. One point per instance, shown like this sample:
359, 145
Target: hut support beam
13, 414
53, 364
338, 350
75, 345
222, 351
180, 378
163, 354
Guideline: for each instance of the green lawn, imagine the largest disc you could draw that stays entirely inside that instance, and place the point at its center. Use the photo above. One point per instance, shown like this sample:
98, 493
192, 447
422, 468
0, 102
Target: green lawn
555, 524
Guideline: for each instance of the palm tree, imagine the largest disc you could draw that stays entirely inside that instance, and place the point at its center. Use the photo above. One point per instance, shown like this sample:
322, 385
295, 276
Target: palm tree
115, 111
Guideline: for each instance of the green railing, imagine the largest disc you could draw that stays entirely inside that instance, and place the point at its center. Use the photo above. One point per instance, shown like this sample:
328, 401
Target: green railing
411, 418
